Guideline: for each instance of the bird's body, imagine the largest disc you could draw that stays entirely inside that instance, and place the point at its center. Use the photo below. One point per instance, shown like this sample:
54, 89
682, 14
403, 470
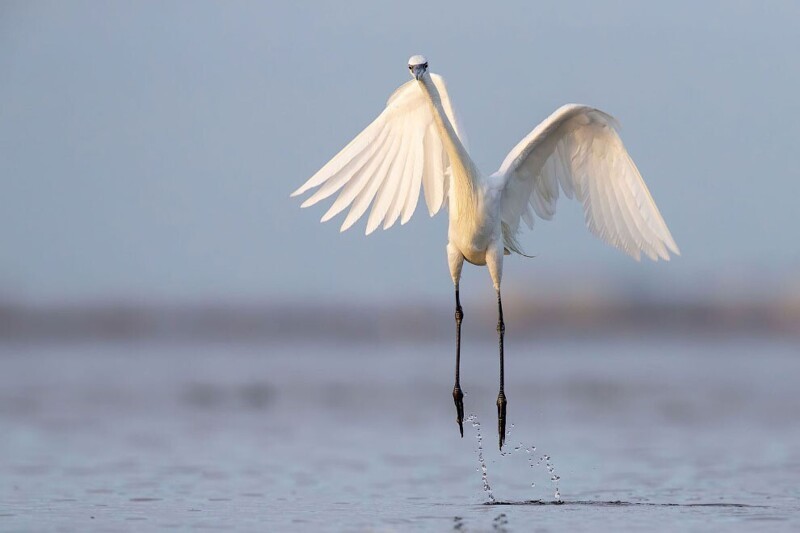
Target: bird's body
417, 143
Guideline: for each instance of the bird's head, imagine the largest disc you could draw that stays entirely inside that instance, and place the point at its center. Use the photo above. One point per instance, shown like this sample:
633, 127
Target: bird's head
418, 66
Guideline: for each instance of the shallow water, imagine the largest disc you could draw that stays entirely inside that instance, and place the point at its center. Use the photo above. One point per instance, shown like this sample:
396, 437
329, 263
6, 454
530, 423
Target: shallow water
645, 435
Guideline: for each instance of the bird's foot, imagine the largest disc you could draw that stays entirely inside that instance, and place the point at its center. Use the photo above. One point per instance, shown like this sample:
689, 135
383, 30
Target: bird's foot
501, 417
458, 398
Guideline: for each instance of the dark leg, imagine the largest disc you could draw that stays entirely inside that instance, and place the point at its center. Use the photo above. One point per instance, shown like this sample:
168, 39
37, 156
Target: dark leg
501, 397
458, 396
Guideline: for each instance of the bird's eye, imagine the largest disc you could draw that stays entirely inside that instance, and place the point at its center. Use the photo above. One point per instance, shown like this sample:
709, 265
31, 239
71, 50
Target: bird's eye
425, 65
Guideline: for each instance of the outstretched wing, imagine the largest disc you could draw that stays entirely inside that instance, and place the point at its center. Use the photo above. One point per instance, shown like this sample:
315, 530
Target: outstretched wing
579, 148
388, 162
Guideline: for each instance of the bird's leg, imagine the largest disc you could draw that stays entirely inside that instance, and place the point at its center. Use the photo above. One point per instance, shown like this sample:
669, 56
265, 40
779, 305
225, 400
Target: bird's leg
458, 395
455, 261
501, 396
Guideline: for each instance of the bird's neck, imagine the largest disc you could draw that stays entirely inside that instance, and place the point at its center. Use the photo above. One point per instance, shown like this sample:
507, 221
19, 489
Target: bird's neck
463, 171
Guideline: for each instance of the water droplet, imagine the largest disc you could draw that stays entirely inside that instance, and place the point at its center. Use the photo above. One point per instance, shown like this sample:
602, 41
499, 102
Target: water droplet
484, 475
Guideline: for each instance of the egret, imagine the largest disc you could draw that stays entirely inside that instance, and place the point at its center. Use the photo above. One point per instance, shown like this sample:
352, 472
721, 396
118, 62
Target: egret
417, 142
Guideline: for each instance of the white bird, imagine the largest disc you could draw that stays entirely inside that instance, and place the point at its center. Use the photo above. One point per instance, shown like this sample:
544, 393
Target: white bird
417, 142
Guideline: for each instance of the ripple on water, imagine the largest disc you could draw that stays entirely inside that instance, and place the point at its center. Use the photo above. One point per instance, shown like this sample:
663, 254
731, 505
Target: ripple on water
621, 503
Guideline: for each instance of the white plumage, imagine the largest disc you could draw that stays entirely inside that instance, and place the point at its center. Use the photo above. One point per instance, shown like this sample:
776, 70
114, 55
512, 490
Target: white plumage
417, 143
388, 162
578, 148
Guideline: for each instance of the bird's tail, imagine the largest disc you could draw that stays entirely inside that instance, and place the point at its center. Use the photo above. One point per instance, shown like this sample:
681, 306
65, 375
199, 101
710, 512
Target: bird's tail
511, 243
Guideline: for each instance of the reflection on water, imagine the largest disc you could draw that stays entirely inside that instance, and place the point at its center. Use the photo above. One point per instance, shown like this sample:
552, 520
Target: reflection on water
653, 434
619, 503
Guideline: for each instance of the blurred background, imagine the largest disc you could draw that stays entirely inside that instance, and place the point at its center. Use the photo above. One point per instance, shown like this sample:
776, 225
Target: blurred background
150, 255
149, 149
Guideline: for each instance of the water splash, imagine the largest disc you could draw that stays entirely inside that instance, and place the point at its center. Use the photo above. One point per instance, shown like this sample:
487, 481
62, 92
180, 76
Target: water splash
484, 473
508, 434
533, 462
553, 476
548, 462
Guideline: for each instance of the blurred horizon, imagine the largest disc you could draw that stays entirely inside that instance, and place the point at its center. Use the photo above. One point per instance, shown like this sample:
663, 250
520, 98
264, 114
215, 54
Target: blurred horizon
575, 315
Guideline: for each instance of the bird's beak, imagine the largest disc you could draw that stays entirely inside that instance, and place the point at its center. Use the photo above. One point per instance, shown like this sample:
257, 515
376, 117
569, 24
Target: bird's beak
417, 72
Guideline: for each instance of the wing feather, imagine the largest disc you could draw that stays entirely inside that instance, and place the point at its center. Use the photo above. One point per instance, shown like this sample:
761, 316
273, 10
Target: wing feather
402, 171
429, 171
579, 149
415, 180
383, 201
396, 175
361, 203
356, 182
353, 148
338, 179
388, 163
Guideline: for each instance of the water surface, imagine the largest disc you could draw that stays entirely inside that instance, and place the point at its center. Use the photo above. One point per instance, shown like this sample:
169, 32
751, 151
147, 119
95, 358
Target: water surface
657, 434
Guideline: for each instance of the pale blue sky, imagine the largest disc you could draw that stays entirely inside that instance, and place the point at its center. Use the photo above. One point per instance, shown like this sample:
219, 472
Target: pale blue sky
148, 149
